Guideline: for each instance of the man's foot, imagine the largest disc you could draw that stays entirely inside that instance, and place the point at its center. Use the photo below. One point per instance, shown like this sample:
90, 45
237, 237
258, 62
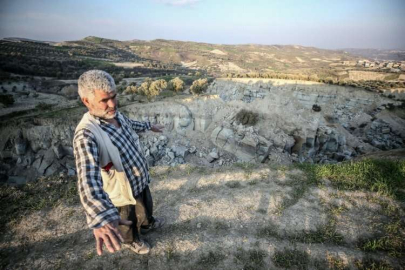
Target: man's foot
159, 222
141, 247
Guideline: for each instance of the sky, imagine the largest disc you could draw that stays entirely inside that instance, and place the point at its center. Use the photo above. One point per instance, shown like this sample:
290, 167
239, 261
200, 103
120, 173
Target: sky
329, 24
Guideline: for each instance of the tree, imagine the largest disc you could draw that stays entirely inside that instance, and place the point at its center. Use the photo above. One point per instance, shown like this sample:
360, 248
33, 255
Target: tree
155, 88
7, 100
145, 86
131, 89
176, 85
199, 86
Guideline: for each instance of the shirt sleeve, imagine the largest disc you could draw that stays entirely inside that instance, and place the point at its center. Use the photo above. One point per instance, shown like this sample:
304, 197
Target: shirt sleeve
97, 205
137, 125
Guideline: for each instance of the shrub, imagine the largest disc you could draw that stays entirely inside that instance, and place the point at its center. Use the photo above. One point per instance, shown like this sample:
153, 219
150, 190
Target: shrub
151, 88
155, 88
43, 106
176, 85
132, 89
7, 100
199, 86
247, 118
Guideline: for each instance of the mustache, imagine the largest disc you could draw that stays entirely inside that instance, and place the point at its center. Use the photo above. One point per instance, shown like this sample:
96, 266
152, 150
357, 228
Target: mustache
112, 109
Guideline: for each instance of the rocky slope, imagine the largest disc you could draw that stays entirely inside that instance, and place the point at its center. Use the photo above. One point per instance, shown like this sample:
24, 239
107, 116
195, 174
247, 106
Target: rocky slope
295, 121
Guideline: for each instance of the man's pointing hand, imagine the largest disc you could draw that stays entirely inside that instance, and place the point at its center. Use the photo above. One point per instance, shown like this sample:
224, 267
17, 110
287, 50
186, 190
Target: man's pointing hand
157, 128
110, 236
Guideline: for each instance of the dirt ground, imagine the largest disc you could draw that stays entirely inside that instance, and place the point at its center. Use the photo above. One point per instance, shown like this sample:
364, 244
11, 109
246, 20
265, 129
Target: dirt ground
240, 217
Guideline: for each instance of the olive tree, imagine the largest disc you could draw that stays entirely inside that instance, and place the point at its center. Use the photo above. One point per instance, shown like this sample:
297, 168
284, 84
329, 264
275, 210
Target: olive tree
199, 86
176, 85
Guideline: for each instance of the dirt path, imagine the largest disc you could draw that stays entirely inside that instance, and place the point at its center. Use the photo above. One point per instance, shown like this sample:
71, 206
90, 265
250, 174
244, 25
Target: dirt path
239, 217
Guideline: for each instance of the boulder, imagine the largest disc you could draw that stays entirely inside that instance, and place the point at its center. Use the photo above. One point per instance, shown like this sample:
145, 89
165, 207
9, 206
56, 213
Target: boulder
58, 150
180, 151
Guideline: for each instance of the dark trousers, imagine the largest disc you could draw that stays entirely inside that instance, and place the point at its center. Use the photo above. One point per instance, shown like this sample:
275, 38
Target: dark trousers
140, 215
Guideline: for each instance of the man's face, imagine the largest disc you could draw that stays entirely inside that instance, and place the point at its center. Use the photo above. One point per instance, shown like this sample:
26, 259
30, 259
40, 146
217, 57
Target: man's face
103, 105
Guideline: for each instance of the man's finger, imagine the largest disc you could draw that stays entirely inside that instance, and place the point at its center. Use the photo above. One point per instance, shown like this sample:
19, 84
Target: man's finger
108, 243
118, 234
99, 246
116, 242
125, 222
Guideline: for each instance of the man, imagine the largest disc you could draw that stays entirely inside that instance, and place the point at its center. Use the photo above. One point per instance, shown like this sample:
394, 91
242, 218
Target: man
113, 174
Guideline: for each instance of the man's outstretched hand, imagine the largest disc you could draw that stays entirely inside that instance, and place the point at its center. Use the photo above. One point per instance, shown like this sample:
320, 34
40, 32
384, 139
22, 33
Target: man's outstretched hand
110, 236
157, 128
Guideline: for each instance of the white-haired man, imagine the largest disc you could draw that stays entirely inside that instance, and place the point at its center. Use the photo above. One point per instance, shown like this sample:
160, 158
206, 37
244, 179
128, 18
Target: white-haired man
113, 174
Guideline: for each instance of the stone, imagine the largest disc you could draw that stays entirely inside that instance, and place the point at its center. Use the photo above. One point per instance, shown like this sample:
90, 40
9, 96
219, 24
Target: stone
20, 145
180, 151
163, 138
59, 151
214, 155
192, 149
47, 161
68, 150
150, 160
16, 180
37, 163
154, 151
386, 130
171, 155
71, 172
52, 169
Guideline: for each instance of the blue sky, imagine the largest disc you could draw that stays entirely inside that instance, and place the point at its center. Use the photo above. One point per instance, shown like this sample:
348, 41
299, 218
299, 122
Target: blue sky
327, 24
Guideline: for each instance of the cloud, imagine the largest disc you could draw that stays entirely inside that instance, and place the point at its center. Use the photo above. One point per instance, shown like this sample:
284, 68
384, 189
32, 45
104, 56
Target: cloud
178, 3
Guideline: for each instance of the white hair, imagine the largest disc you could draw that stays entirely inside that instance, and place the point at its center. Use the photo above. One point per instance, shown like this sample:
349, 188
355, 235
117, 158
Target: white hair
95, 80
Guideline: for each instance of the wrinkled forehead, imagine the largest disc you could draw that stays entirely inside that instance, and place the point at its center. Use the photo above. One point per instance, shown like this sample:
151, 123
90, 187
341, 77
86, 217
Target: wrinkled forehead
101, 94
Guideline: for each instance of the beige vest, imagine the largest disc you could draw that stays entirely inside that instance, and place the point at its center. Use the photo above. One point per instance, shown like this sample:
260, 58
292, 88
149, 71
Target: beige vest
115, 182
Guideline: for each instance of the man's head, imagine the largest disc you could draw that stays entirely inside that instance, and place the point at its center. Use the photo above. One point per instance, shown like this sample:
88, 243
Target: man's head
97, 90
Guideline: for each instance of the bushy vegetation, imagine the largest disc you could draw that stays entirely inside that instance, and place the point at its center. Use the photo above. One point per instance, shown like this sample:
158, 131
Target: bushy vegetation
371, 85
7, 100
176, 85
148, 88
385, 177
199, 86
247, 118
43, 106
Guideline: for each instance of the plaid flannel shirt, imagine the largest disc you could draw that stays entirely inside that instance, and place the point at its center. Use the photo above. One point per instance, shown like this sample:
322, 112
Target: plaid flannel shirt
98, 207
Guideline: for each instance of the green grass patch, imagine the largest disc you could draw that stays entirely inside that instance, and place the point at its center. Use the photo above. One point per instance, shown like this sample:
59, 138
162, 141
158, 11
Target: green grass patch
324, 234
252, 259
394, 244
291, 258
385, 177
371, 264
210, 259
233, 184
247, 167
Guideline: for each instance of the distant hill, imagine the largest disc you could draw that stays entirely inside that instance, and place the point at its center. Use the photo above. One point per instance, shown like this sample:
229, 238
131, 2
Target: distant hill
376, 54
67, 59
219, 59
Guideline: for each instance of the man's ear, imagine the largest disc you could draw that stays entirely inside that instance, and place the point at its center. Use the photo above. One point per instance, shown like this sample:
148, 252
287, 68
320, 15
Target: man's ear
85, 101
